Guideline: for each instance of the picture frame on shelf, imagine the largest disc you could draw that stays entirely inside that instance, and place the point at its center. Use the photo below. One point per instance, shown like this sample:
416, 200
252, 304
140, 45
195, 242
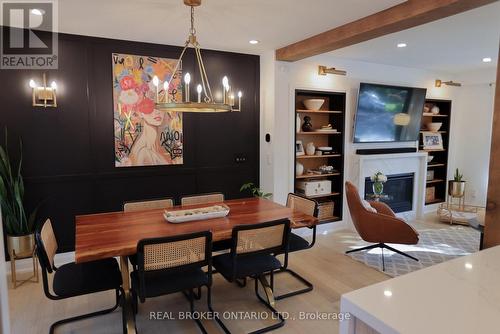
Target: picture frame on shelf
432, 140
299, 148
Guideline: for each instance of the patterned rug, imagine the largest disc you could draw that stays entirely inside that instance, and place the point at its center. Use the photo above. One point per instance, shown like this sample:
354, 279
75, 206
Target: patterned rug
436, 245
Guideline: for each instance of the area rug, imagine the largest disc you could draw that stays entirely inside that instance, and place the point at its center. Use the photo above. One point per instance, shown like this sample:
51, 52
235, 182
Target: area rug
436, 245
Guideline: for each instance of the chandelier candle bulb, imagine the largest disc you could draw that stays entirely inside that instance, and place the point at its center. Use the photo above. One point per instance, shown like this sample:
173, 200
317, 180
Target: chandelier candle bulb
199, 89
240, 94
231, 100
165, 89
187, 80
156, 81
225, 88
53, 84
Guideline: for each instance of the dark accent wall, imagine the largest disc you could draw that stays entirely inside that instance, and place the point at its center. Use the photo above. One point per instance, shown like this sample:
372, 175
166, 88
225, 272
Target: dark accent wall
69, 150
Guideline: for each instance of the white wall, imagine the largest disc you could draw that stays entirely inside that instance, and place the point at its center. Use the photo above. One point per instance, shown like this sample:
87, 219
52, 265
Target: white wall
303, 74
471, 138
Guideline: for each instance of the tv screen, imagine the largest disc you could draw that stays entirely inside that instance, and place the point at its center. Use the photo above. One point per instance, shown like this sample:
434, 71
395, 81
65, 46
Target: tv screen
388, 113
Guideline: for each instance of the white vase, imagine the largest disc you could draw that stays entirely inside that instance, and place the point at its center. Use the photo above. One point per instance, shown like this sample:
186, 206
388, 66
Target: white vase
435, 110
298, 124
299, 169
310, 149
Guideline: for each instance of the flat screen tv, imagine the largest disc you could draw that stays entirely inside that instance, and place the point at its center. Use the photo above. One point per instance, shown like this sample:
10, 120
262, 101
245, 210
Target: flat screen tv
388, 113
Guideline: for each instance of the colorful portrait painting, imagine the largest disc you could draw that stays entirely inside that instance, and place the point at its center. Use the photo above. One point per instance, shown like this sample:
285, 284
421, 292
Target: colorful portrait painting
144, 135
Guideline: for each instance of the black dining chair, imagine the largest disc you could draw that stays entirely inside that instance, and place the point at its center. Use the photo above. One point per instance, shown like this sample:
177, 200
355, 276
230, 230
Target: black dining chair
75, 279
297, 243
167, 265
252, 255
142, 205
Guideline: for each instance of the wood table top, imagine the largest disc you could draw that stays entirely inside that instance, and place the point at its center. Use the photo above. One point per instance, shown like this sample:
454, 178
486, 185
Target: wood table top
106, 235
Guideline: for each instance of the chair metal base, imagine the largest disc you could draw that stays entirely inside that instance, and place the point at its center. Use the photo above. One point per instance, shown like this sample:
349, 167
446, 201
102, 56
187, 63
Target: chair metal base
268, 302
382, 246
309, 286
119, 295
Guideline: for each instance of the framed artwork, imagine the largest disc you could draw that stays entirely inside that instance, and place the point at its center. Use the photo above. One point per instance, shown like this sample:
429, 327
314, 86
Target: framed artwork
144, 135
299, 148
432, 140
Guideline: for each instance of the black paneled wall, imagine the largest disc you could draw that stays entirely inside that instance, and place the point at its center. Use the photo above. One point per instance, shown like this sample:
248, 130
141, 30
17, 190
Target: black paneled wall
69, 150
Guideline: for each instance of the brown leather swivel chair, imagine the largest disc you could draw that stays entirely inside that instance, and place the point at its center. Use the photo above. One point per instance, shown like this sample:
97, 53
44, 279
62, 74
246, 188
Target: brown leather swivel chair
379, 227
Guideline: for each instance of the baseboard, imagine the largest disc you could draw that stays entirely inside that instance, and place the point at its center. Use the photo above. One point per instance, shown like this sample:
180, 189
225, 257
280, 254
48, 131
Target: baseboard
26, 265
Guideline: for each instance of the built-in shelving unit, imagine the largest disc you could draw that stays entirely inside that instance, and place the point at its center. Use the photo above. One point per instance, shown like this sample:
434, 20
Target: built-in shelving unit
439, 164
331, 112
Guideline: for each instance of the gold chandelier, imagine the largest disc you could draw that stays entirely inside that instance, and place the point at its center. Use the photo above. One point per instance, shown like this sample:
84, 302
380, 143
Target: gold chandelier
205, 103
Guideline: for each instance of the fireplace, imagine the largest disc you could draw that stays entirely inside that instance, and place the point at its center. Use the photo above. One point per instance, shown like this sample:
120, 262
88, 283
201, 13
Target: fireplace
399, 191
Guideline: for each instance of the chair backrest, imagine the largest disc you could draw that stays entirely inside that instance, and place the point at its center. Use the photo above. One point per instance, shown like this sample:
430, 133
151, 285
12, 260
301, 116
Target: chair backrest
148, 205
269, 237
202, 199
178, 252
357, 210
46, 245
305, 205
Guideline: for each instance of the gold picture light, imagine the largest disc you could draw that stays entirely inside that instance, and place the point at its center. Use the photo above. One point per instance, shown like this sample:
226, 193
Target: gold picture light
44, 96
323, 70
439, 83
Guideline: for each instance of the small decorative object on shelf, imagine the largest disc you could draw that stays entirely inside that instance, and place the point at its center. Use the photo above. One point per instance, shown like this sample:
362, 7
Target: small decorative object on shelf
430, 194
310, 148
456, 187
313, 104
324, 169
298, 123
378, 180
307, 126
435, 110
299, 148
427, 108
430, 175
299, 169
434, 127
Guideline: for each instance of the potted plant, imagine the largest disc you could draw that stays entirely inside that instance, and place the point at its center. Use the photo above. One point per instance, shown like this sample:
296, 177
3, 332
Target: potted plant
255, 191
19, 226
456, 187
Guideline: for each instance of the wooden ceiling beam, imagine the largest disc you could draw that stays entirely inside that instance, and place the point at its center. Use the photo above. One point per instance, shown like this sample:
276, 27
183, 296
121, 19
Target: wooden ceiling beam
406, 15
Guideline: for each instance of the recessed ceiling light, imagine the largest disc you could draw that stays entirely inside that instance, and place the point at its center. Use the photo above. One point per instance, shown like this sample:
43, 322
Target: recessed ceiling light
36, 11
388, 293
402, 45
253, 41
487, 60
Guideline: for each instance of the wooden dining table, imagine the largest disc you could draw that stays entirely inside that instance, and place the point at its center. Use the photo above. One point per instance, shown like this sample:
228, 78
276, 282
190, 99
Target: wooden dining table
116, 234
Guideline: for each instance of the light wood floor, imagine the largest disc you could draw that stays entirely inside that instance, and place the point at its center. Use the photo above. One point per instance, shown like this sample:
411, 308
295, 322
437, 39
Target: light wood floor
325, 265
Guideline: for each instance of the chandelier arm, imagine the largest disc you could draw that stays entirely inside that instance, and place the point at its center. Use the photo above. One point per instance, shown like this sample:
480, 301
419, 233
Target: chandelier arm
176, 67
204, 73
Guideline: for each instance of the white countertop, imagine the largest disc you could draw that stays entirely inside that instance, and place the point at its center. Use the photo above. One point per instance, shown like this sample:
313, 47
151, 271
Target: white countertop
458, 296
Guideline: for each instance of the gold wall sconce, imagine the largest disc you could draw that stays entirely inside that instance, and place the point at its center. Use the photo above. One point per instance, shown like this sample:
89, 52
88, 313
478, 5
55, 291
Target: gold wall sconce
439, 83
323, 70
44, 96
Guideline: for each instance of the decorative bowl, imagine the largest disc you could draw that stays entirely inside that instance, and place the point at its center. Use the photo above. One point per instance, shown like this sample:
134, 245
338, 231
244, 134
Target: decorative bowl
429, 158
434, 127
313, 104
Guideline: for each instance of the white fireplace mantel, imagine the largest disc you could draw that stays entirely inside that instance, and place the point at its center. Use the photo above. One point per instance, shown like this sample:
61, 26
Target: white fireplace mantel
397, 163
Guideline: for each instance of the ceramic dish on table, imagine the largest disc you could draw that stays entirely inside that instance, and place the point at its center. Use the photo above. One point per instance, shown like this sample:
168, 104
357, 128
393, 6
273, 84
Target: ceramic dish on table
208, 212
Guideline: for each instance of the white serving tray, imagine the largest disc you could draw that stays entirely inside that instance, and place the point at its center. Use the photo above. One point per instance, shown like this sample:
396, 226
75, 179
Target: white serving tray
179, 218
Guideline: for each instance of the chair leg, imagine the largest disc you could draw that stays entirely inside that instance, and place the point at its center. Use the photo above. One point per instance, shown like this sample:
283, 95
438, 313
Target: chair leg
210, 308
119, 294
191, 297
278, 315
309, 287
242, 283
399, 252
364, 248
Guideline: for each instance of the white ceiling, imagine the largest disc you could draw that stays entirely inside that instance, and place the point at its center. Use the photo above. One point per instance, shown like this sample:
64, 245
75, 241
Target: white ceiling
221, 24
454, 44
